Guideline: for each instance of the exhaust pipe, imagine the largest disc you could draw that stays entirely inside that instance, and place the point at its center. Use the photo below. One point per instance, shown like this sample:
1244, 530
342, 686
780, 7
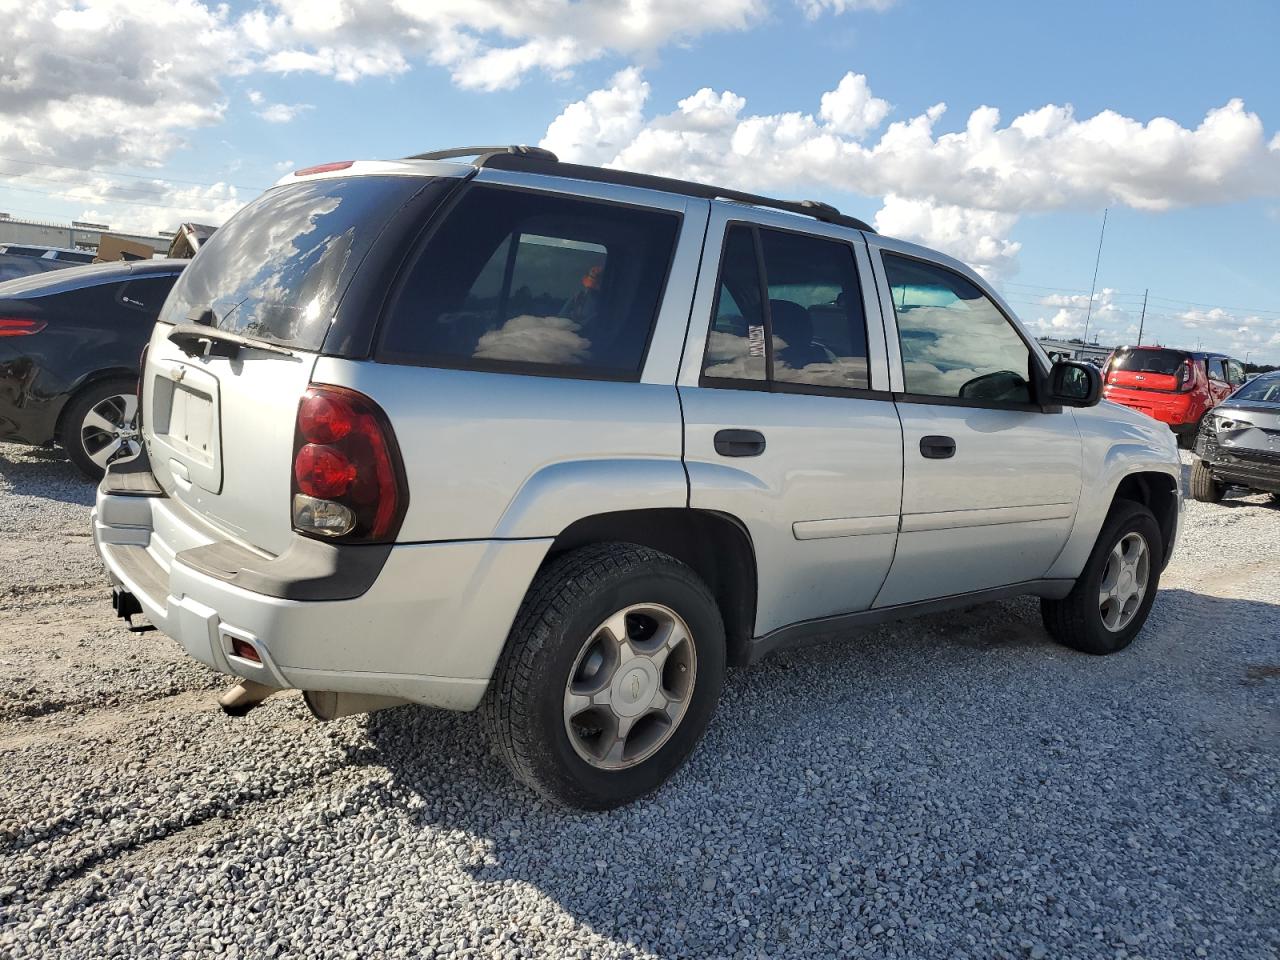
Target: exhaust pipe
327, 705
244, 696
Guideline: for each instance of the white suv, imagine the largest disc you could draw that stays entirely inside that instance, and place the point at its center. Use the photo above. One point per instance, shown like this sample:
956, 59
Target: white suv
560, 443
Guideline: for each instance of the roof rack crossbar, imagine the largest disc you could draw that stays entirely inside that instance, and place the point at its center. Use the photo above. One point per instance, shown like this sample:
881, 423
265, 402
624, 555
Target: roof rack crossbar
540, 160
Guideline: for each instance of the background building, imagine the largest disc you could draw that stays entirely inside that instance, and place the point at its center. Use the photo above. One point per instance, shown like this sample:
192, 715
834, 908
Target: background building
1075, 349
78, 234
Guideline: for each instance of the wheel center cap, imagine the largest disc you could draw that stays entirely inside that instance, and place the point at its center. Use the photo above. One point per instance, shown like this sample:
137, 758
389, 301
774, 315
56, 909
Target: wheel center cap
1126, 581
634, 686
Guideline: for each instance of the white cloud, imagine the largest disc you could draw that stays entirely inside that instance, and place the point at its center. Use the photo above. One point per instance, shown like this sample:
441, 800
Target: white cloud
1116, 320
110, 81
851, 109
149, 206
975, 236
816, 8
485, 44
962, 191
283, 112
595, 129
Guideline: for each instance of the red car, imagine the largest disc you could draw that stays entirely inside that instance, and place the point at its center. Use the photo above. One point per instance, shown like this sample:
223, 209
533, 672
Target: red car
1177, 387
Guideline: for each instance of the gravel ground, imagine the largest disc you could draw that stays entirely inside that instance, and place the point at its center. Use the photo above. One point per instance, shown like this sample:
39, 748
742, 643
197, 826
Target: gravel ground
956, 786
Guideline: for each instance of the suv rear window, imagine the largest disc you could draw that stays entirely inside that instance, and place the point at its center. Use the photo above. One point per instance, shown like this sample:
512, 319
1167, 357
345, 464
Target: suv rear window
526, 282
1147, 361
278, 268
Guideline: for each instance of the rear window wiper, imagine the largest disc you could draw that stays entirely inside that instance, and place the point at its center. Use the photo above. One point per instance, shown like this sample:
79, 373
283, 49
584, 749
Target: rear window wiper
199, 340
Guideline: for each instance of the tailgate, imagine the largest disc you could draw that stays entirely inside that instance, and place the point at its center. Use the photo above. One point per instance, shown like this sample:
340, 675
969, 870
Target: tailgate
1142, 380
219, 432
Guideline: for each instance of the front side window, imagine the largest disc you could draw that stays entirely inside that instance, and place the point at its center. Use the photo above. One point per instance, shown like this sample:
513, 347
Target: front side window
810, 300
535, 283
1235, 372
955, 342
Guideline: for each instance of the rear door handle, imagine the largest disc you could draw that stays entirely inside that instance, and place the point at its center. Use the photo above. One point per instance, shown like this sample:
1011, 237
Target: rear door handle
937, 448
739, 443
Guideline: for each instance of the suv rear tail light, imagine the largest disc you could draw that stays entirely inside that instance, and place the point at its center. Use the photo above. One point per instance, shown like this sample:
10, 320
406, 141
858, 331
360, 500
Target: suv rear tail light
20, 326
348, 478
1186, 376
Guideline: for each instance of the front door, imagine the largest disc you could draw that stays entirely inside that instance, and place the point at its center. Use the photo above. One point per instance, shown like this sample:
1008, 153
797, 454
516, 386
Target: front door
789, 425
990, 478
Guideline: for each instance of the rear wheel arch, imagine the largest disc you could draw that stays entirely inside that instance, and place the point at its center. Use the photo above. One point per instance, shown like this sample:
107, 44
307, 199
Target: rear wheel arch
88, 382
714, 545
1158, 492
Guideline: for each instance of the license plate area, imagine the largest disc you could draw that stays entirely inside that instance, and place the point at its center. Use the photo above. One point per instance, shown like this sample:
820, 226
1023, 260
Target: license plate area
185, 422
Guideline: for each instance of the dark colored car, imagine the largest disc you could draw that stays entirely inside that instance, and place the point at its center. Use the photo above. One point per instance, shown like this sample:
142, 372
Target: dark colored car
14, 266
1177, 387
1239, 443
69, 347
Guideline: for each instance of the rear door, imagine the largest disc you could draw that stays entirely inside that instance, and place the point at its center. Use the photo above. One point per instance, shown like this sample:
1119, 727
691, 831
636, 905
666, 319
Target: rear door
1220, 385
789, 425
990, 479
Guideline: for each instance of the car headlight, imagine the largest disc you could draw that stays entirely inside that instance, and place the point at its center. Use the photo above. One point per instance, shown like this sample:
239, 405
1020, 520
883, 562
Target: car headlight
1229, 423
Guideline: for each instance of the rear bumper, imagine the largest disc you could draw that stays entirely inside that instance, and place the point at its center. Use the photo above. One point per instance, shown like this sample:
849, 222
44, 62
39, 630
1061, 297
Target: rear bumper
429, 627
1176, 409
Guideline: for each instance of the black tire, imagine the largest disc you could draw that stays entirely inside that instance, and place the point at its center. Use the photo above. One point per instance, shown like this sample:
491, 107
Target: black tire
1076, 620
73, 419
524, 709
1203, 485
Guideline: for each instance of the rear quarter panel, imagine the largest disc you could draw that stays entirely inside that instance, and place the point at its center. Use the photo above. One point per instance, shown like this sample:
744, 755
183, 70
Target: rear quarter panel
504, 455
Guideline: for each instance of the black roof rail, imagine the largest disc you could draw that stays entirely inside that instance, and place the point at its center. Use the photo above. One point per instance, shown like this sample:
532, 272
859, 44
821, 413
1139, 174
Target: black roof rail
484, 153
539, 160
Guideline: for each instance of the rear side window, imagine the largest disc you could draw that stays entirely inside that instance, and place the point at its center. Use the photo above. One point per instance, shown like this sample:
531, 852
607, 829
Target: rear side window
1164, 362
809, 298
528, 282
279, 267
146, 295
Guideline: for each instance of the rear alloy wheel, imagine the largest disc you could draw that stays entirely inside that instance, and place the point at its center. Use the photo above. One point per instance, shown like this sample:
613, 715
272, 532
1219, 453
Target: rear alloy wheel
611, 673
630, 686
1203, 485
100, 426
1113, 595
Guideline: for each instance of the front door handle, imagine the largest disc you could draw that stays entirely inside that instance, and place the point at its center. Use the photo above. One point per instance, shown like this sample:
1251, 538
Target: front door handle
937, 448
739, 443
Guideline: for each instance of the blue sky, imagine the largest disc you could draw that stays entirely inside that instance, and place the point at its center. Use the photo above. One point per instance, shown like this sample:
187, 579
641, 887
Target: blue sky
346, 79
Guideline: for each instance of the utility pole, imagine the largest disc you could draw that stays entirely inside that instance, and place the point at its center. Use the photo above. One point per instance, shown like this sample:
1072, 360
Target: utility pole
1094, 285
1142, 318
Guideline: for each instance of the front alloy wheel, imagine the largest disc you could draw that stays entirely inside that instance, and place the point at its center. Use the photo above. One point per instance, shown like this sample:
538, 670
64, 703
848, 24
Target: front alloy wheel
1124, 582
1113, 594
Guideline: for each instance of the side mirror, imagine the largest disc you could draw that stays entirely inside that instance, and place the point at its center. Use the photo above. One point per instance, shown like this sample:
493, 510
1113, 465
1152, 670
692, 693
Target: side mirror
1073, 384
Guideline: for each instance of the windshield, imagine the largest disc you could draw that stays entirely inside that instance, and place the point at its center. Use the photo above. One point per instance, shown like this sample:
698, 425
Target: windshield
1148, 361
278, 268
1260, 390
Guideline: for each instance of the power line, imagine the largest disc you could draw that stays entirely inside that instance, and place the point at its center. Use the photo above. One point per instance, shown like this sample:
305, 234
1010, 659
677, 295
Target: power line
23, 177
62, 195
1088, 316
133, 176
